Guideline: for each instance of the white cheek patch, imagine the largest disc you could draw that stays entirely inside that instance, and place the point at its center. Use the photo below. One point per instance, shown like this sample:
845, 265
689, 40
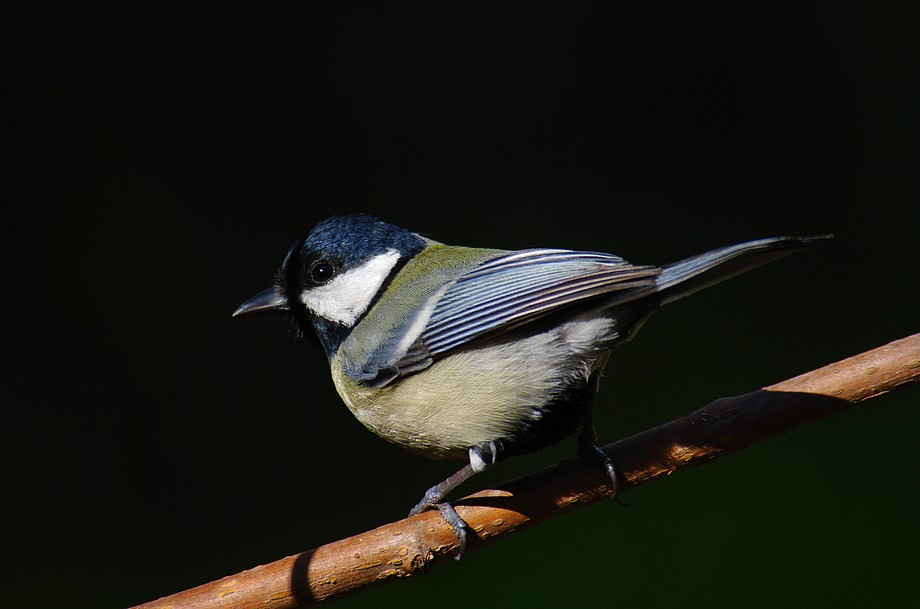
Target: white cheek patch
349, 294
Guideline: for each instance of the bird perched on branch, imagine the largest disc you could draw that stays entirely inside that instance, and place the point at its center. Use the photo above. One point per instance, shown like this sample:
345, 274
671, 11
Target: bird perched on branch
476, 354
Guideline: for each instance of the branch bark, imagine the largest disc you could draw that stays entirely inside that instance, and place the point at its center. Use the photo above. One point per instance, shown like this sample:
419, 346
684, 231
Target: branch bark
418, 544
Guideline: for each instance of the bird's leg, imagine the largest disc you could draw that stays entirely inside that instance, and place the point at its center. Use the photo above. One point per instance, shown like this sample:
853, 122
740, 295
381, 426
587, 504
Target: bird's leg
587, 447
481, 457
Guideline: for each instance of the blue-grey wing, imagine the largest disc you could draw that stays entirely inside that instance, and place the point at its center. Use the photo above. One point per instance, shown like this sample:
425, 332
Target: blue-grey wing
514, 289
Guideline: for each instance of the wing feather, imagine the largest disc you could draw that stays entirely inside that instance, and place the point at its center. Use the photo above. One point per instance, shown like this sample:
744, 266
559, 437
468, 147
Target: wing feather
519, 287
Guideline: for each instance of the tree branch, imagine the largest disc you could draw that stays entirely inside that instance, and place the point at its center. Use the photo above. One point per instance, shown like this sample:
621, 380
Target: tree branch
418, 544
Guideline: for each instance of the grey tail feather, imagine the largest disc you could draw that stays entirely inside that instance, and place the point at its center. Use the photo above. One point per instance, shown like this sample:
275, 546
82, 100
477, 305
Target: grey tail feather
693, 274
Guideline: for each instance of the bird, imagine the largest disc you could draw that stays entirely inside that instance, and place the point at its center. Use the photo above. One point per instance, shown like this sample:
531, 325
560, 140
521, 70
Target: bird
477, 354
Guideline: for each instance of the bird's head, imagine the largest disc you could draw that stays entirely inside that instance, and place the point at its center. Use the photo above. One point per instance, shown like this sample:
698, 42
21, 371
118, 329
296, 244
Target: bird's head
331, 277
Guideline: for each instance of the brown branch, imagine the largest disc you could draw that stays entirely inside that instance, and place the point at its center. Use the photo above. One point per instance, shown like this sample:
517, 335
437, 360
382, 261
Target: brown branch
416, 545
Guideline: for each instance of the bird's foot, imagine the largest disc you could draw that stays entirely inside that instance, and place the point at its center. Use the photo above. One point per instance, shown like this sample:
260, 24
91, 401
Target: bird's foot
595, 453
434, 498
450, 515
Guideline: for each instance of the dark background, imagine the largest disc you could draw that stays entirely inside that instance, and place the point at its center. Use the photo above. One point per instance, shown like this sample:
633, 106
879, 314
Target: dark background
171, 153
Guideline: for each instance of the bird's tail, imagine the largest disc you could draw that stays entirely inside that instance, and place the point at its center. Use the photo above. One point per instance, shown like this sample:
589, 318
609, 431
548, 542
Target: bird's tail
693, 274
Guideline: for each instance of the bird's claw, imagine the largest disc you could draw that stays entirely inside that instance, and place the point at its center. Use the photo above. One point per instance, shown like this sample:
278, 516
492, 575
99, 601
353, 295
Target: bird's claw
594, 452
451, 517
457, 523
614, 485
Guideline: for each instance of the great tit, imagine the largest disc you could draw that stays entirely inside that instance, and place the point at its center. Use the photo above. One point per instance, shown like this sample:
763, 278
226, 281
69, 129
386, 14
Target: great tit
475, 354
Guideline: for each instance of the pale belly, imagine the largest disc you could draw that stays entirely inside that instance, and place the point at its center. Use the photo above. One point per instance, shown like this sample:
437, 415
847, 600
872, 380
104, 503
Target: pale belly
489, 393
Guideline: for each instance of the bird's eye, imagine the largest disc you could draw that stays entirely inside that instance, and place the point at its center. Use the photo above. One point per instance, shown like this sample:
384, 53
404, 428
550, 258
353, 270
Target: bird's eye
321, 271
